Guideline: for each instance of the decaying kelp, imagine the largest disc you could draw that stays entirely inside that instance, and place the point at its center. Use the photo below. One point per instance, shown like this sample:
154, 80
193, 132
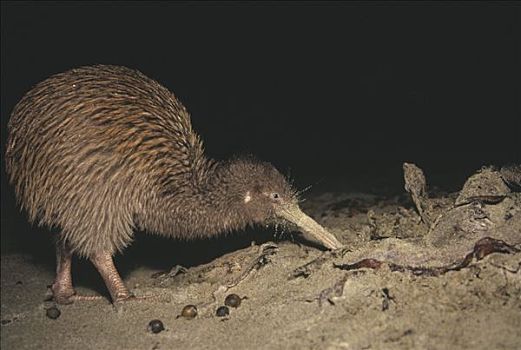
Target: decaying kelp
486, 186
483, 247
416, 185
485, 218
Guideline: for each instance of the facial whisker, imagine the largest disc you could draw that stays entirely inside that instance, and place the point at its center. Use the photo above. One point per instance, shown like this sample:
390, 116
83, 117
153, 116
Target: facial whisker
276, 229
298, 193
288, 176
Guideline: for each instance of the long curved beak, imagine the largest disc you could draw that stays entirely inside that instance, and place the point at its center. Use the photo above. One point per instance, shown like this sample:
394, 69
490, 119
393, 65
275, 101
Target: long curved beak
307, 225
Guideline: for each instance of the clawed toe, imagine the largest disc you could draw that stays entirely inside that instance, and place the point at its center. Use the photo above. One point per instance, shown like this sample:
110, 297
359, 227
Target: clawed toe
63, 296
124, 297
67, 295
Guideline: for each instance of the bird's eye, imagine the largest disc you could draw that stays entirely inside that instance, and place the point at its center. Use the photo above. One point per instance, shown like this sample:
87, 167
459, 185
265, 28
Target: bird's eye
275, 195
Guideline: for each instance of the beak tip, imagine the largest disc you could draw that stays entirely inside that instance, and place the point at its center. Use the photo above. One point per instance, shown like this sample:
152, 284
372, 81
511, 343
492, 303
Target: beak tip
335, 246
311, 227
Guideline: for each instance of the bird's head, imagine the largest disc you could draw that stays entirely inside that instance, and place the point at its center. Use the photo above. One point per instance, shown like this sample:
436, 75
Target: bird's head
265, 196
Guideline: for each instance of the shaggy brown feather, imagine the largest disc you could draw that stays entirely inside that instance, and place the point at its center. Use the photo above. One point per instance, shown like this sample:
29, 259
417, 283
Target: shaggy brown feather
99, 150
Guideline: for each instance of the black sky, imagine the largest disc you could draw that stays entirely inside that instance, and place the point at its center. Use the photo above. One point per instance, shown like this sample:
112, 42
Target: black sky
343, 90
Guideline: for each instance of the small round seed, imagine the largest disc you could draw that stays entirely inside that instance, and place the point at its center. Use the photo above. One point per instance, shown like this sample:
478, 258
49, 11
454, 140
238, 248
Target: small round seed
189, 311
155, 326
232, 300
53, 312
222, 311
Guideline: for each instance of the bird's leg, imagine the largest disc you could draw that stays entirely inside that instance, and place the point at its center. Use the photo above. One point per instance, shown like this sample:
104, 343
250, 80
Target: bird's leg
62, 289
105, 266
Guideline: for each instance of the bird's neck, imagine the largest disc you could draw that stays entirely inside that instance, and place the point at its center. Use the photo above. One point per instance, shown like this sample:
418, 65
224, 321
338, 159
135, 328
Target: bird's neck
202, 208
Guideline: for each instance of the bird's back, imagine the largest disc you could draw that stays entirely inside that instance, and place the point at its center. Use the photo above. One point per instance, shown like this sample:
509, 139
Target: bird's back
97, 135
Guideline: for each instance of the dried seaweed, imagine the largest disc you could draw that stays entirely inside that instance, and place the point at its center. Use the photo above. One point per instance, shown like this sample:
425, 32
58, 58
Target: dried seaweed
482, 248
416, 185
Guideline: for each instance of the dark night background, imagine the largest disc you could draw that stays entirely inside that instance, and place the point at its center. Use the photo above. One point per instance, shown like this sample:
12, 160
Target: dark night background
341, 94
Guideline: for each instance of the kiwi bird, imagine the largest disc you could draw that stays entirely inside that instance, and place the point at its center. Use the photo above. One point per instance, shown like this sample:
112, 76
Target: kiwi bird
101, 151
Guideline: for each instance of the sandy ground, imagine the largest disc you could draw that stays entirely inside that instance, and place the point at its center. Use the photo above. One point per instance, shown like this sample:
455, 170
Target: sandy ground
297, 296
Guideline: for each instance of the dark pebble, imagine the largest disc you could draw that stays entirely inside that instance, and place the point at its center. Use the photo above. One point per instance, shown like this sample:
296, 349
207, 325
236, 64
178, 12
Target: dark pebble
189, 311
222, 311
53, 312
155, 326
232, 300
